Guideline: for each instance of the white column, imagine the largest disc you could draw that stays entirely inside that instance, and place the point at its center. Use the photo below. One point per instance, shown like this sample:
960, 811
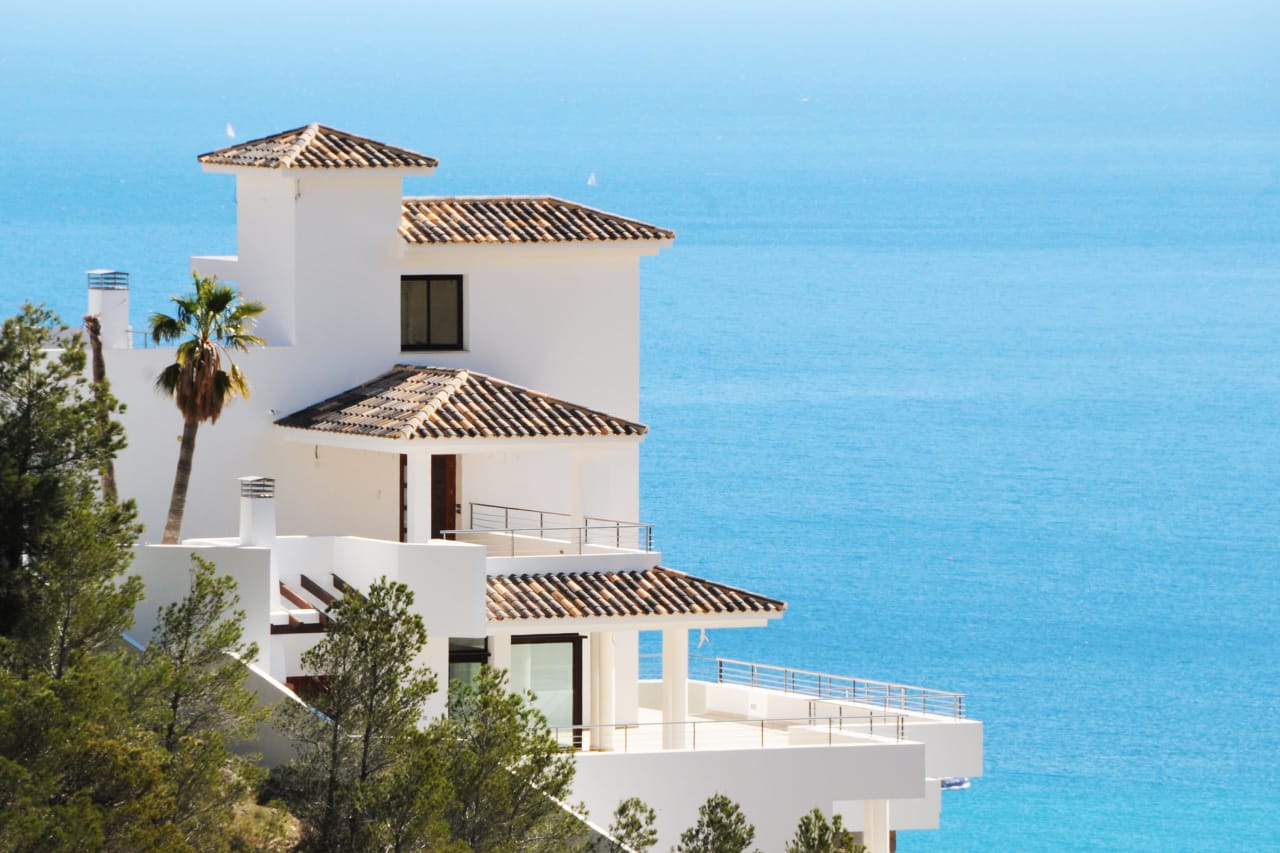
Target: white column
875, 825
675, 686
435, 657
417, 482
626, 676
500, 651
602, 691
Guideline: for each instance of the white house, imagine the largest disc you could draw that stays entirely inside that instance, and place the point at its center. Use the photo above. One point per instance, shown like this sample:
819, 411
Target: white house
449, 399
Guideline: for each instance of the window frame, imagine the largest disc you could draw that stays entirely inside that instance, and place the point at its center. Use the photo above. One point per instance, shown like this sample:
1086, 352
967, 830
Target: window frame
428, 279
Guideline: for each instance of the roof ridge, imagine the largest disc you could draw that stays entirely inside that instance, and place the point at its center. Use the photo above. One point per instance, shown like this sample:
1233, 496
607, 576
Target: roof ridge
304, 140
429, 408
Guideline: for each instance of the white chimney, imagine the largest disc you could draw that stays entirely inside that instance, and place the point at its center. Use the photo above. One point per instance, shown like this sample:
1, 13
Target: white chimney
257, 511
109, 300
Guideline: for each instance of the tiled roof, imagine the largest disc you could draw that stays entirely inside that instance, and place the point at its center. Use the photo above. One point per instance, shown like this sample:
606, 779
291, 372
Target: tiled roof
317, 147
653, 592
410, 402
542, 219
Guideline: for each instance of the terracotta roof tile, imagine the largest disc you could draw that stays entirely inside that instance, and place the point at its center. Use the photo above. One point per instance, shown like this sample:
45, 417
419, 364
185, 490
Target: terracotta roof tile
652, 592
317, 147
410, 402
530, 219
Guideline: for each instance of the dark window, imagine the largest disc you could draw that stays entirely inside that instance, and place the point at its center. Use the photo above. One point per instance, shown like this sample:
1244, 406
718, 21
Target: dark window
430, 312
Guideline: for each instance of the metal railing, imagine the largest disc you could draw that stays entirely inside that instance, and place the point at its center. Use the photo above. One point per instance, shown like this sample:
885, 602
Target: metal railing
494, 517
820, 685
605, 531
524, 541
518, 532
730, 733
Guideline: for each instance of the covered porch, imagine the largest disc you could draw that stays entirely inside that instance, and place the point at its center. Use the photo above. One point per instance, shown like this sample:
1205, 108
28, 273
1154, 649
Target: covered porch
469, 450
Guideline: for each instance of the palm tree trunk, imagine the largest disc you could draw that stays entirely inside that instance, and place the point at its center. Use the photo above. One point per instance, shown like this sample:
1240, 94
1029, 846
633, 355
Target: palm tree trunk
94, 327
178, 503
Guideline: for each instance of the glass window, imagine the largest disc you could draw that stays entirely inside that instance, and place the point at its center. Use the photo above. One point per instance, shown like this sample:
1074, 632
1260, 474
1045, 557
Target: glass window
430, 312
466, 656
547, 670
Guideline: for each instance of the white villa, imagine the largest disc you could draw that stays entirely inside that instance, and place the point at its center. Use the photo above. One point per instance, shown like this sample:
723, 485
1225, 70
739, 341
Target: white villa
449, 398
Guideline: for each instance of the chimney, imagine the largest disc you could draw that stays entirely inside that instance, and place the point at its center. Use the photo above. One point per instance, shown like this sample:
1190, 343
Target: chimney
257, 511
109, 300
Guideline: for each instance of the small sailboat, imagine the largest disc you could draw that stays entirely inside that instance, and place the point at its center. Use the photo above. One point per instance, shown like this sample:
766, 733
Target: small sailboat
591, 179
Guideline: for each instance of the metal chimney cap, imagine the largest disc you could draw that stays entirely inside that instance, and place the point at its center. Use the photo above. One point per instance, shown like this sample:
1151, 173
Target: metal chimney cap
257, 487
108, 280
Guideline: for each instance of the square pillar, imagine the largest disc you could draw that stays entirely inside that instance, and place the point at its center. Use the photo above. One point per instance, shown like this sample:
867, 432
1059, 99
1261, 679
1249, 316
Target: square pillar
626, 676
500, 651
875, 825
417, 497
602, 691
675, 687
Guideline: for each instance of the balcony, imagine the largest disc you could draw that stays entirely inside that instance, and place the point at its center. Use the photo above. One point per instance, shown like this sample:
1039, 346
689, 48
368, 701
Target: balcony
736, 704
517, 532
779, 741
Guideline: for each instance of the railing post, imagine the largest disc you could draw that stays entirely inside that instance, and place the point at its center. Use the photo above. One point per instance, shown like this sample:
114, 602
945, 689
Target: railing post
719, 670
762, 734
694, 726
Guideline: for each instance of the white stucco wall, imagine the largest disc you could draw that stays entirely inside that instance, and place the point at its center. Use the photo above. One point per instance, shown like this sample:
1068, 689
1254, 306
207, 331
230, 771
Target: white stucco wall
165, 572
537, 315
774, 787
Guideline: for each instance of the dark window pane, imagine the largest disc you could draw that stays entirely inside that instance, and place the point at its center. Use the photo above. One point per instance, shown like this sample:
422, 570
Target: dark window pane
446, 313
430, 312
413, 313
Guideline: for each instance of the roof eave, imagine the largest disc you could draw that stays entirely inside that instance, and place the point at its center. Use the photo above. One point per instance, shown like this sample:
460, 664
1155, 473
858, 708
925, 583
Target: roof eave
429, 446
303, 171
638, 622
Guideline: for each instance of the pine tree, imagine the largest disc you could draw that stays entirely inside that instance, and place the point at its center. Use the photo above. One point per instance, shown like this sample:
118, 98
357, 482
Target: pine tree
371, 701
721, 828
815, 835
54, 433
632, 828
193, 696
509, 774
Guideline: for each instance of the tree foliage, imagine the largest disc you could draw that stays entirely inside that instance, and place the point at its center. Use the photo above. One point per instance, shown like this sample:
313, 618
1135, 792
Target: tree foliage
721, 828
54, 433
632, 828
356, 726
815, 835
510, 778
208, 323
83, 763
191, 686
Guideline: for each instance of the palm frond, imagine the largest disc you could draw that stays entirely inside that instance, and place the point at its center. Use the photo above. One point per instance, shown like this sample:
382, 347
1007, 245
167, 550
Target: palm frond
210, 321
165, 328
167, 381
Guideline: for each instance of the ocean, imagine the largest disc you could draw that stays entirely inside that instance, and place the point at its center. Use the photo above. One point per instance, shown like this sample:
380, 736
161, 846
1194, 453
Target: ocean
968, 346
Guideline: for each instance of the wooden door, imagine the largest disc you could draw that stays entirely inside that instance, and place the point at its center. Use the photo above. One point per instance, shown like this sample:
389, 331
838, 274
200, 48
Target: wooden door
444, 494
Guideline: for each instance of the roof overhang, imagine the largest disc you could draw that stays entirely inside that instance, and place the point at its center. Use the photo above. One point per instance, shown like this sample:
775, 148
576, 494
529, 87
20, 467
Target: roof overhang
293, 173
570, 624
430, 446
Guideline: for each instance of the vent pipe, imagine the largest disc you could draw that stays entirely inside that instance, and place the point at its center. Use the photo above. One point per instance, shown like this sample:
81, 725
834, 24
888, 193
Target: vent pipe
109, 302
257, 511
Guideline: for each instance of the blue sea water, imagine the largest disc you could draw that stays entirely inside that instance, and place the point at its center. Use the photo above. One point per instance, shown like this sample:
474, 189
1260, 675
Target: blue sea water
968, 347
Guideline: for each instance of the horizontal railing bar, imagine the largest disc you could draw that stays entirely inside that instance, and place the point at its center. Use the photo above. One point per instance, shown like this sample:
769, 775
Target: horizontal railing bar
785, 672
844, 723
521, 509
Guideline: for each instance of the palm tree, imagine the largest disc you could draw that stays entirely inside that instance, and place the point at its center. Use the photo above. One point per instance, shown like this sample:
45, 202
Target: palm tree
210, 322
